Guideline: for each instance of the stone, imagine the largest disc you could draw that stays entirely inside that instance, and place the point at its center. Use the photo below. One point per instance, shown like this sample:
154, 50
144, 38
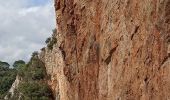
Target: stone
113, 50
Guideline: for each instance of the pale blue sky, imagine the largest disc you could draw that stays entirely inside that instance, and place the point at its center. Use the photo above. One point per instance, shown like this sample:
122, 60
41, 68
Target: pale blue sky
38, 2
25, 24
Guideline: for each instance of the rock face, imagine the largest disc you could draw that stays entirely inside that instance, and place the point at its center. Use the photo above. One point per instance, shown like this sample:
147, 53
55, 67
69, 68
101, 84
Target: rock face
13, 88
111, 50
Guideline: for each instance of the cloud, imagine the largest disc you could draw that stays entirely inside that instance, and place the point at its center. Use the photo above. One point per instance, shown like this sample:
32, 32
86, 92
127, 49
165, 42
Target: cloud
24, 27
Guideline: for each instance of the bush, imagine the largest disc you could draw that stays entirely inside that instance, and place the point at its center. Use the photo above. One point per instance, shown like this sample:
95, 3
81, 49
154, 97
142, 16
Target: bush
51, 40
34, 70
35, 91
34, 54
33, 84
51, 43
48, 40
38, 74
21, 71
4, 65
18, 63
7, 77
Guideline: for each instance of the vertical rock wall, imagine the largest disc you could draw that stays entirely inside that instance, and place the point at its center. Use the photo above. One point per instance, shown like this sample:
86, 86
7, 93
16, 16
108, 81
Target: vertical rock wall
111, 50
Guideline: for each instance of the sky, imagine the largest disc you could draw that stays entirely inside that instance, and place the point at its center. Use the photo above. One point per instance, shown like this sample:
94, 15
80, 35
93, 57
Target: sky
24, 26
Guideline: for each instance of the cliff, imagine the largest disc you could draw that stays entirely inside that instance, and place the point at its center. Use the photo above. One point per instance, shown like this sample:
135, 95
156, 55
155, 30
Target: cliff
13, 89
110, 50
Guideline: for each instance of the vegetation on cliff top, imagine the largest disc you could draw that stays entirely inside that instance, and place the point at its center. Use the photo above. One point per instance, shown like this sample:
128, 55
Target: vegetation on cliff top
33, 85
51, 40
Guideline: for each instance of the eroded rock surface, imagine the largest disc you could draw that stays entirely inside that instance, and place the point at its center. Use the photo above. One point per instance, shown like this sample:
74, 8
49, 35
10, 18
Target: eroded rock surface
111, 50
13, 89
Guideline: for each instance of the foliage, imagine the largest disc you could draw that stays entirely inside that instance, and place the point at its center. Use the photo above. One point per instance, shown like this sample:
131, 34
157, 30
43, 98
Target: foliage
33, 75
33, 85
48, 40
35, 91
34, 70
35, 54
19, 64
4, 65
51, 40
51, 43
7, 77
38, 73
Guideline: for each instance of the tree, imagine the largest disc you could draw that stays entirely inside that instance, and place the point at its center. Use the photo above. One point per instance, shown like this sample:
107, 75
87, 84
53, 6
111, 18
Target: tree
33, 85
7, 77
48, 40
51, 43
4, 65
35, 91
19, 63
35, 54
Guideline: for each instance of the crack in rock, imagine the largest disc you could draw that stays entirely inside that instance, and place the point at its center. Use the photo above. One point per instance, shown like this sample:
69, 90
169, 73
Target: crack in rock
135, 31
108, 59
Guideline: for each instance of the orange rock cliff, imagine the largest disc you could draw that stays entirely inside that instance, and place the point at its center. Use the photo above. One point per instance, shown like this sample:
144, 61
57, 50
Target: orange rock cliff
110, 50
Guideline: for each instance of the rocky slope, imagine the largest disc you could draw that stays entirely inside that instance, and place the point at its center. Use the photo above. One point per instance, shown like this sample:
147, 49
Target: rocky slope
110, 50
13, 88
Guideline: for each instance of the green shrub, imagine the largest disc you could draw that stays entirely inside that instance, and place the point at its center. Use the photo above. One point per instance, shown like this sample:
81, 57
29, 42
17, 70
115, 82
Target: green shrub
33, 85
38, 73
35, 90
19, 66
51, 40
48, 40
4, 65
34, 70
22, 71
35, 54
7, 77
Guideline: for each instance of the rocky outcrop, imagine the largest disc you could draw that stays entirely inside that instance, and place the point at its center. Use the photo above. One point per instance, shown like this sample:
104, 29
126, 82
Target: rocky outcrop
111, 50
13, 89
